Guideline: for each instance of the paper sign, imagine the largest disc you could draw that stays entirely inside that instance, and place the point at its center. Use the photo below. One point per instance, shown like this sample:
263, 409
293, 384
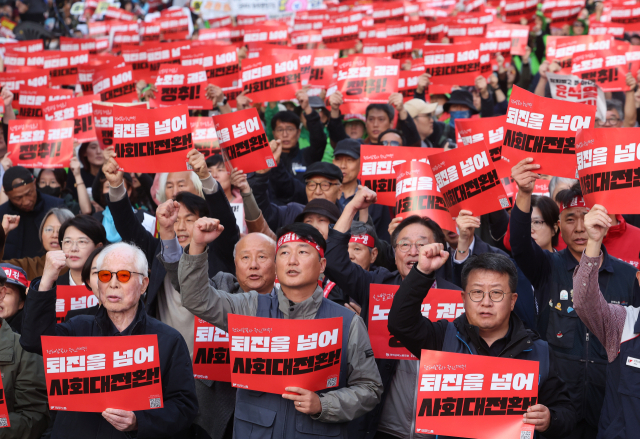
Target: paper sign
204, 135
91, 374
155, 140
439, 304
63, 66
417, 194
597, 28
243, 141
488, 395
164, 53
219, 62
269, 355
115, 84
515, 11
31, 99
544, 129
366, 80
211, 359
77, 109
489, 130
37, 143
13, 81
519, 35
103, 120
608, 163
321, 73
4, 412
627, 15
93, 45
468, 180
608, 68
72, 297
182, 85
408, 80
562, 49
271, 78
452, 64
340, 35
377, 164
573, 89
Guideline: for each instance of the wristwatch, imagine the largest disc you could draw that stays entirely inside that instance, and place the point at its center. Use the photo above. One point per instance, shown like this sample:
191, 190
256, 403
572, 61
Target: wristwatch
223, 103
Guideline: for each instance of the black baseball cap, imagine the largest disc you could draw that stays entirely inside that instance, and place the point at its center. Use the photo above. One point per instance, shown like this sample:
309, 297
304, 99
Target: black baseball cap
15, 177
316, 102
328, 170
322, 207
349, 146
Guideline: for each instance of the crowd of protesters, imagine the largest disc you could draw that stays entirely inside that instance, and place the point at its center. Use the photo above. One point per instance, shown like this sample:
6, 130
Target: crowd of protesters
551, 279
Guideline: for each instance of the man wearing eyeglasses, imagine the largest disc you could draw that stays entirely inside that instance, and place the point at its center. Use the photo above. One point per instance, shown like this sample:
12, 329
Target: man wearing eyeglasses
122, 279
488, 327
616, 116
392, 417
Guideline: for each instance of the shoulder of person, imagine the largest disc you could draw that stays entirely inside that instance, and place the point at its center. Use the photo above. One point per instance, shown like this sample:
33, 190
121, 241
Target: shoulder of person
166, 334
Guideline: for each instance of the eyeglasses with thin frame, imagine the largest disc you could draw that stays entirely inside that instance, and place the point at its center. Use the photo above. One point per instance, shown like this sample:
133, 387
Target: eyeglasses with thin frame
494, 295
288, 130
325, 185
123, 276
390, 143
536, 224
405, 246
51, 229
611, 122
82, 243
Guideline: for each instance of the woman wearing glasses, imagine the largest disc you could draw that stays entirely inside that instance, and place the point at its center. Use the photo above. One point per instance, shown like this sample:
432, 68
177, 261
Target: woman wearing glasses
79, 237
544, 222
49, 228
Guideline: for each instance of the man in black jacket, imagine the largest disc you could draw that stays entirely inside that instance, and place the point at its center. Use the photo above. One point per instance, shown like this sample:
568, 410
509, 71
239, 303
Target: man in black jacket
122, 314
488, 327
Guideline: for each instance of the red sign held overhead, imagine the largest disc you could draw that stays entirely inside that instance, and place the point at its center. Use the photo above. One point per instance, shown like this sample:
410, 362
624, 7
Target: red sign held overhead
519, 35
182, 85
204, 135
69, 298
63, 66
14, 81
563, 49
274, 34
271, 78
79, 110
340, 35
466, 395
489, 130
37, 143
4, 412
211, 358
93, 45
452, 64
269, 355
516, 10
115, 84
219, 62
437, 305
544, 129
321, 73
607, 68
31, 99
92, 374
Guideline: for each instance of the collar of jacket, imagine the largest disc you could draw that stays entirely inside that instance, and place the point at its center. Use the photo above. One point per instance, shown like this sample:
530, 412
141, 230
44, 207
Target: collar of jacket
572, 263
521, 337
617, 230
305, 310
288, 157
36, 207
107, 328
6, 343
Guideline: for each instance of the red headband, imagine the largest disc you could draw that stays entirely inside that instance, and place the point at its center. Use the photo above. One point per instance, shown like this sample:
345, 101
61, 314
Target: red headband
293, 237
363, 239
576, 202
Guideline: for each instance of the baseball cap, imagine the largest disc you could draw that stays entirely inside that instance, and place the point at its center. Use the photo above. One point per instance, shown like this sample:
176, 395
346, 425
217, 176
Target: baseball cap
316, 102
328, 170
321, 207
354, 117
15, 177
15, 276
349, 146
417, 106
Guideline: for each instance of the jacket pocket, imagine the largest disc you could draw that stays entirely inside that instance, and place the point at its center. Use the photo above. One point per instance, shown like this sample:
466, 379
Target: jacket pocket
562, 329
629, 375
253, 422
306, 425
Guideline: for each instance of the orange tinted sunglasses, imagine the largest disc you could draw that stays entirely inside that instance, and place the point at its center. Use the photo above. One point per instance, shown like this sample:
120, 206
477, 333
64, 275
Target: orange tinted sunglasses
123, 275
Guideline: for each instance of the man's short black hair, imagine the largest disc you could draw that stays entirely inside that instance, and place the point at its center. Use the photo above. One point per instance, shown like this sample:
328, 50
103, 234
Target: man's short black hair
403, 141
430, 224
193, 203
494, 262
305, 231
565, 196
87, 225
86, 268
287, 117
384, 107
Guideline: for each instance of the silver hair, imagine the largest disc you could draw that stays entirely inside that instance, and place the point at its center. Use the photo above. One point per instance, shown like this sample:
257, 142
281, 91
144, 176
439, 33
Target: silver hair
60, 212
269, 240
140, 266
557, 180
160, 195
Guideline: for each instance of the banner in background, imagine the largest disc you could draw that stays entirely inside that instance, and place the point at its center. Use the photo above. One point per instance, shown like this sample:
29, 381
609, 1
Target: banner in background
269, 355
182, 85
79, 110
37, 143
519, 35
243, 141
115, 84
220, 63
487, 395
211, 359
562, 49
545, 130
570, 88
271, 78
91, 374
71, 297
365, 80
452, 64
608, 68
13, 81
340, 35
437, 305
63, 66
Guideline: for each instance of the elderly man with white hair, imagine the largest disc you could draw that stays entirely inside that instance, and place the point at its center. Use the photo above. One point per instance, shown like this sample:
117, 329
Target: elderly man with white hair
122, 274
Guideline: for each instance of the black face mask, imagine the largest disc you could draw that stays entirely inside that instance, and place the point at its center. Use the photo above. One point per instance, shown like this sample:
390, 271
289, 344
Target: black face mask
52, 191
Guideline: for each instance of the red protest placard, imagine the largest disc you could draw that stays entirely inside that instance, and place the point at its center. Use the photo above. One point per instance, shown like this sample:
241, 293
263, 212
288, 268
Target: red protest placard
408, 80
93, 45
204, 135
627, 15
23, 59
417, 194
63, 66
608, 68
519, 35
269, 355
91, 374
609, 168
322, 68
4, 412
377, 164
340, 35
515, 11
211, 359
597, 28
79, 110
219, 62
72, 297
489, 130
562, 49
366, 80
397, 48
136, 57
544, 129
462, 31
454, 386
182, 85
276, 34
31, 100
243, 140
174, 28
149, 32
164, 53
308, 39
452, 64
468, 180
155, 140
38, 143
271, 78
13, 81
417, 30
103, 121
115, 84
124, 37
439, 304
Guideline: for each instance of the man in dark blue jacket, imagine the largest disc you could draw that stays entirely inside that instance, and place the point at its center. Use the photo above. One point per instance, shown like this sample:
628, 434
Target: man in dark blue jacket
122, 314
